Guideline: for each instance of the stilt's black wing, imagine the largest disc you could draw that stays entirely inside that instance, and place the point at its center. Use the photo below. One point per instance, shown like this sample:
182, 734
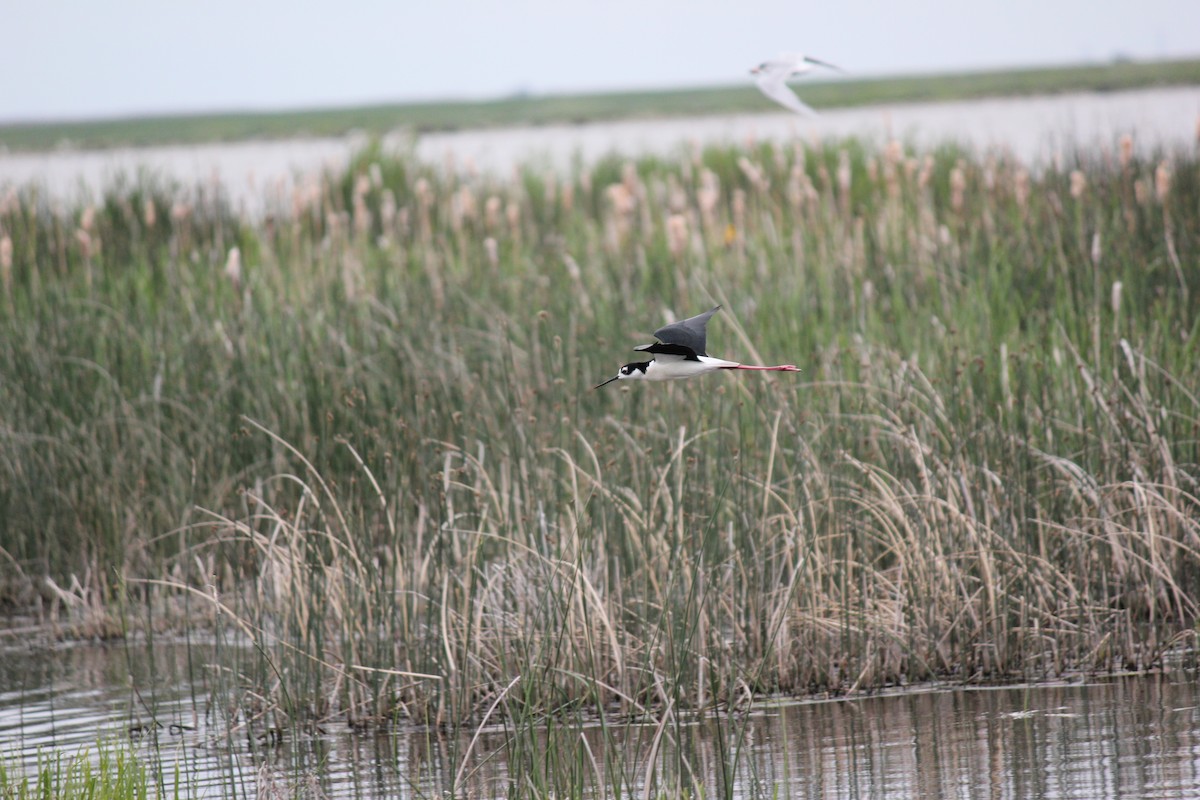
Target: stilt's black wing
664, 349
689, 333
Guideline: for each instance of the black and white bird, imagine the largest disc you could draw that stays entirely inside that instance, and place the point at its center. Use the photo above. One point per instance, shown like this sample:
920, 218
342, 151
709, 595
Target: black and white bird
772, 77
681, 353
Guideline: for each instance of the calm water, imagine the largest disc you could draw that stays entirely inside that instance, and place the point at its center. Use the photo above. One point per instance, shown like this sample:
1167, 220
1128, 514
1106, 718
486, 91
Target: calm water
1119, 737
255, 175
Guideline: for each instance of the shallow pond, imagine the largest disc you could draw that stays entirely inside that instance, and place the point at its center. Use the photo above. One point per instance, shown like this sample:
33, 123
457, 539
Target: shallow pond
1111, 737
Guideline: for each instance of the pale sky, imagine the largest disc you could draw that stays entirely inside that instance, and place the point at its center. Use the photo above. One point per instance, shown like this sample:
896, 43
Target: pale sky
87, 58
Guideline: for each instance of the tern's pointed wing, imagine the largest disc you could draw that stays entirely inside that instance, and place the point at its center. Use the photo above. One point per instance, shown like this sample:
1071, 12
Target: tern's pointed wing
773, 83
690, 333
820, 63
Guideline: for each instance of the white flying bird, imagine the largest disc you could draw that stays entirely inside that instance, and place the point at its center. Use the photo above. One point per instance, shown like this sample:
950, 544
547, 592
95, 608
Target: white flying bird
772, 76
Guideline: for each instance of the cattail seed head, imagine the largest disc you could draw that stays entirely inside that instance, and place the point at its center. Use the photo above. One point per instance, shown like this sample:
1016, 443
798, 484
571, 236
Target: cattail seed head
893, 162
362, 184
233, 267
362, 215
467, 203
6, 263
778, 156
623, 201
677, 234
387, 209
149, 213
926, 173
893, 153
958, 187
491, 212
708, 195
423, 192
754, 175
1021, 188
462, 208
800, 189
677, 199
629, 177
333, 224
1141, 191
1162, 181
1078, 184
843, 173
84, 239
1126, 151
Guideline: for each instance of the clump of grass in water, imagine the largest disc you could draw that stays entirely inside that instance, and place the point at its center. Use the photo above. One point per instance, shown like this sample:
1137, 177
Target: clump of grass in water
372, 443
112, 772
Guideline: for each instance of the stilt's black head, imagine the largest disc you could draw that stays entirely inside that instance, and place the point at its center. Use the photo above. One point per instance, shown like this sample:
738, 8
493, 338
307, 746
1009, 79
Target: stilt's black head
635, 370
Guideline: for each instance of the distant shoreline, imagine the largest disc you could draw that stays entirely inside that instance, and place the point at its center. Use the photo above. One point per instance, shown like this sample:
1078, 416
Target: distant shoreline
254, 174
427, 117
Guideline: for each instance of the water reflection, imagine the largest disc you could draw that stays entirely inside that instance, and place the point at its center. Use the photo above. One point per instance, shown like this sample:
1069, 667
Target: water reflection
1133, 737
1119, 737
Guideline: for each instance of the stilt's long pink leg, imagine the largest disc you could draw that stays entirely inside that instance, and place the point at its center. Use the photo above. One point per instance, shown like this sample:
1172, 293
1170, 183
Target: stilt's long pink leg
779, 368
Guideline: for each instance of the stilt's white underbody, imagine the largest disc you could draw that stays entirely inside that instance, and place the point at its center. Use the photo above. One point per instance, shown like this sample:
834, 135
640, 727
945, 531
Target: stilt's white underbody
673, 368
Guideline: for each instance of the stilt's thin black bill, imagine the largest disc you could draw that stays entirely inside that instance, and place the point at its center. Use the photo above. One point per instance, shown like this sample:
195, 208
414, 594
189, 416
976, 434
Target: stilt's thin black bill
606, 383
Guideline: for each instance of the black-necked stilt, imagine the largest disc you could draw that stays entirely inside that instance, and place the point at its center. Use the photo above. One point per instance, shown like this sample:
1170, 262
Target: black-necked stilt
681, 353
772, 76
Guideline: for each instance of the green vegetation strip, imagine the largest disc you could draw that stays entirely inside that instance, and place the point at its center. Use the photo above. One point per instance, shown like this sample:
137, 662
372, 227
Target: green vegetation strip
377, 120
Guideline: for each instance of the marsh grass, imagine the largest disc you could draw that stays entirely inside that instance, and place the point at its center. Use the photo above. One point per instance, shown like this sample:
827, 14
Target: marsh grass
109, 772
367, 443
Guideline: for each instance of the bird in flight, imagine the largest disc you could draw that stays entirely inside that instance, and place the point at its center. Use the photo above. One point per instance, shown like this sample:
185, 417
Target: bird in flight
680, 352
772, 76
